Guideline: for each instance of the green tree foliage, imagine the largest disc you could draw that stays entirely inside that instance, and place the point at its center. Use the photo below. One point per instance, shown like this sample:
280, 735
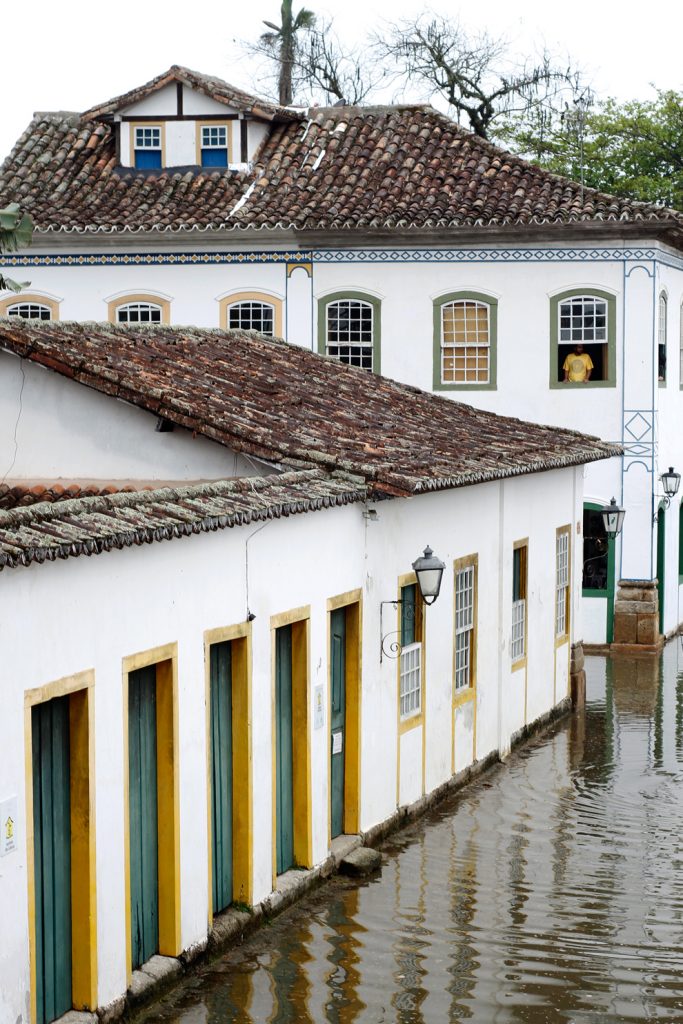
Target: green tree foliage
16, 230
632, 149
282, 42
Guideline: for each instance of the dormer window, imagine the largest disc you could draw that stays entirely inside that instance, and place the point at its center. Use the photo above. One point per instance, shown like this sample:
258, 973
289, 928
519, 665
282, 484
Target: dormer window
148, 146
213, 145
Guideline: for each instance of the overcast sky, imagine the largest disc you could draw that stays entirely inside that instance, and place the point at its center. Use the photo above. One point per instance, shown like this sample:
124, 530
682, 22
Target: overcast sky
73, 54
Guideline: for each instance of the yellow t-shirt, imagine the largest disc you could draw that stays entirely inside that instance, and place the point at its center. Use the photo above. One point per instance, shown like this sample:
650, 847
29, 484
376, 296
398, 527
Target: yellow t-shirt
577, 365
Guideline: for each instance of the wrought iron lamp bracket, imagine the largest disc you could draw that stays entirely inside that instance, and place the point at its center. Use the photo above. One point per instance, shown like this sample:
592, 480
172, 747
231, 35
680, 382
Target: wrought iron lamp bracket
393, 647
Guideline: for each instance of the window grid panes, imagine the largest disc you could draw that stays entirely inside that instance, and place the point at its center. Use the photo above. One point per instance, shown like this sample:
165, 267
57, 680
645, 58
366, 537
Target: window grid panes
464, 626
30, 311
138, 313
215, 137
517, 645
661, 337
561, 583
350, 332
583, 318
148, 138
411, 679
252, 316
465, 343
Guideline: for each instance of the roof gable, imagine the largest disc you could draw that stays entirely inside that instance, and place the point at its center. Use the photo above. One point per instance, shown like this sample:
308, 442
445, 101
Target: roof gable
215, 88
282, 403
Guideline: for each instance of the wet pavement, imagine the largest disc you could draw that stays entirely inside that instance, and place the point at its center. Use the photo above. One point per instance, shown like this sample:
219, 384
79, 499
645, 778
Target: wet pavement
551, 890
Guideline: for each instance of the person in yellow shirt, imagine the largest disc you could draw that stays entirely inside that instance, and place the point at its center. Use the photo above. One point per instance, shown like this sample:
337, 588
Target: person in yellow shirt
578, 366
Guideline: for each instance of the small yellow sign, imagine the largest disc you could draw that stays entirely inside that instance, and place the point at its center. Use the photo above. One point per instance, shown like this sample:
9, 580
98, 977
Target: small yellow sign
8, 826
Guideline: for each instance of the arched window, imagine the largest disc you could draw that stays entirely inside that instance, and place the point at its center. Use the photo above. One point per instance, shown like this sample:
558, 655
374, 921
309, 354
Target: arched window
465, 341
661, 338
252, 311
30, 307
349, 329
139, 309
583, 339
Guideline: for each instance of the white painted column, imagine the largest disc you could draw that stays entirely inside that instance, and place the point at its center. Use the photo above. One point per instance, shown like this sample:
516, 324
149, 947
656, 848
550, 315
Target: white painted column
300, 310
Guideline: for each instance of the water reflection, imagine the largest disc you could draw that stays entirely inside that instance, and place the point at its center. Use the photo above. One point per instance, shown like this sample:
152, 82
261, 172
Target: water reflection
550, 891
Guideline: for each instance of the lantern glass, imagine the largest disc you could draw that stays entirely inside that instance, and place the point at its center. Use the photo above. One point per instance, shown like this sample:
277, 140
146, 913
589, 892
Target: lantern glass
429, 572
671, 481
613, 519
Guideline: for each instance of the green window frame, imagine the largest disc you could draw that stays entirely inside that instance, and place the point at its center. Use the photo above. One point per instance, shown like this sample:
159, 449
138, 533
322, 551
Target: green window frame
680, 543
609, 344
472, 297
352, 296
662, 324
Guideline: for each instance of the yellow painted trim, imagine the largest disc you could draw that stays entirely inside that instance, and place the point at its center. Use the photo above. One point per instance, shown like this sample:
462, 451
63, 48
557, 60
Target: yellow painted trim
80, 689
458, 698
213, 124
242, 814
123, 300
352, 601
291, 267
147, 124
21, 297
168, 796
299, 619
270, 300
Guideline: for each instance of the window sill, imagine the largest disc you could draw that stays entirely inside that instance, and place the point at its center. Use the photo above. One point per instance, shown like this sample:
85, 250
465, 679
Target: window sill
518, 665
561, 641
463, 696
410, 722
594, 593
439, 386
569, 384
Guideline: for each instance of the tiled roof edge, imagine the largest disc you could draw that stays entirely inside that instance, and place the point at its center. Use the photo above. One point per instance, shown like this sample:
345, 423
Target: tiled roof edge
343, 489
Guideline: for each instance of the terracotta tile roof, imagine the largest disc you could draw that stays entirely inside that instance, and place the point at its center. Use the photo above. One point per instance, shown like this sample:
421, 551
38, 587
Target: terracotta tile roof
22, 495
282, 403
215, 88
89, 526
381, 169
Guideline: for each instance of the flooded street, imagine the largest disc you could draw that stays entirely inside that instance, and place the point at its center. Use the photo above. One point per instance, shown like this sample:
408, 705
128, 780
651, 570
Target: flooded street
550, 890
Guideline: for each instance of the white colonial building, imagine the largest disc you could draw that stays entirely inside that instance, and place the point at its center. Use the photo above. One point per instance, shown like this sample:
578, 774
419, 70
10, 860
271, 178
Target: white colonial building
388, 238
219, 663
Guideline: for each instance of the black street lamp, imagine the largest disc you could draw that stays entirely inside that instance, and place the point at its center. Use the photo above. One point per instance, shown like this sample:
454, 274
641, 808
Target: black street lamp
671, 481
613, 519
429, 572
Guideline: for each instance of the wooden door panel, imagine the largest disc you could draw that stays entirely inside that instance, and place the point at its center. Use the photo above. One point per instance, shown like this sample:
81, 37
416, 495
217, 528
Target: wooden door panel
221, 775
337, 718
284, 797
144, 832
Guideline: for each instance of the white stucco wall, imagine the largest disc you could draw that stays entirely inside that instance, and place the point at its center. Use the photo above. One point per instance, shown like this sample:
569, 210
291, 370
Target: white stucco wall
61, 618
54, 428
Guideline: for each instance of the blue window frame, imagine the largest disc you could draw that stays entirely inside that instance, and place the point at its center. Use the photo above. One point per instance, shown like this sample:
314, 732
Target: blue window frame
147, 147
214, 145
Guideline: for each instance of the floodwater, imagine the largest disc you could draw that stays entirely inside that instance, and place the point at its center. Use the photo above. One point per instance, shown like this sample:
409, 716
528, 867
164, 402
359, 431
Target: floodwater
551, 890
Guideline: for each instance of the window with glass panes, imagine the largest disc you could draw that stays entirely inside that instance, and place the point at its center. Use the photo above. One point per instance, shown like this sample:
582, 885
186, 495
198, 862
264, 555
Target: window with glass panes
465, 581
411, 653
562, 584
465, 342
147, 146
214, 145
252, 316
138, 313
349, 332
519, 583
30, 311
661, 338
583, 321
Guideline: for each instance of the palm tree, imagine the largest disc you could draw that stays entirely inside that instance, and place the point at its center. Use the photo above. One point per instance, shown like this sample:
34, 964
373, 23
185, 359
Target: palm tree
15, 233
283, 38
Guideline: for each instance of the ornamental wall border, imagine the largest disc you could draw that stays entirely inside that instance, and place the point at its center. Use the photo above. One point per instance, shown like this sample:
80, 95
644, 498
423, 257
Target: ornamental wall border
331, 256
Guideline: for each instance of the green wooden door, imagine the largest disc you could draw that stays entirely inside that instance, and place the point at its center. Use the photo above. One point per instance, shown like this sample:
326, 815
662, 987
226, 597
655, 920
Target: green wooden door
221, 774
661, 564
52, 857
337, 717
284, 790
144, 834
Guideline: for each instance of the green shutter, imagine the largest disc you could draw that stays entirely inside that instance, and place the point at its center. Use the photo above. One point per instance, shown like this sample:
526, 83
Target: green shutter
221, 774
284, 796
661, 563
408, 612
52, 857
338, 717
142, 782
